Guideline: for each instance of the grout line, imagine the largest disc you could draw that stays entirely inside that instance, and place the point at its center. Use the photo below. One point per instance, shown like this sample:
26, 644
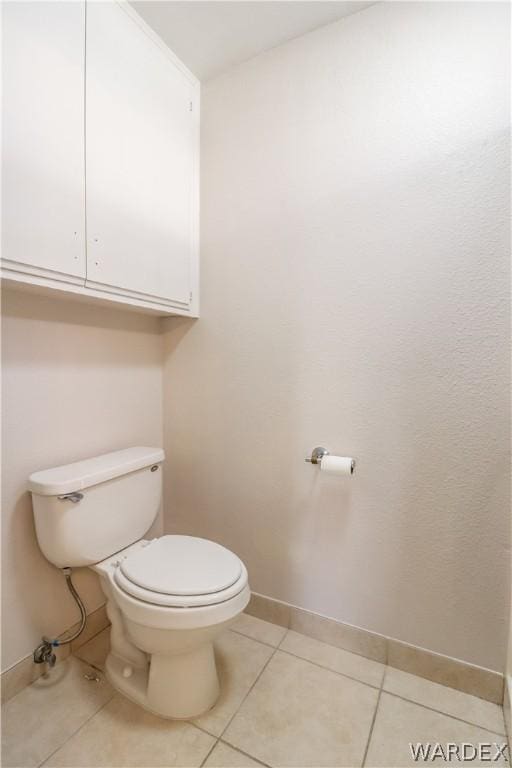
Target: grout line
269, 645
278, 646
445, 714
246, 754
343, 648
247, 694
193, 722
72, 735
227, 744
374, 718
332, 645
329, 669
211, 748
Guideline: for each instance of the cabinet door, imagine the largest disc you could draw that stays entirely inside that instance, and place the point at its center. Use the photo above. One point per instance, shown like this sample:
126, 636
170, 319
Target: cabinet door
43, 201
140, 130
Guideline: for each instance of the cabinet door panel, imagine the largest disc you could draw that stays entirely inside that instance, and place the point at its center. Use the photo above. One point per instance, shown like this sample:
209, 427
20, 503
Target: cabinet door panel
43, 201
139, 155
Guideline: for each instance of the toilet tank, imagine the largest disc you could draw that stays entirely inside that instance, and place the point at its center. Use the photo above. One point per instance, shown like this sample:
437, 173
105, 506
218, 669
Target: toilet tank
87, 511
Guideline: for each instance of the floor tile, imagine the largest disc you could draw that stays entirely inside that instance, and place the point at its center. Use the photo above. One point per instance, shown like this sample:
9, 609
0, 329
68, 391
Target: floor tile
122, 735
258, 629
45, 714
95, 651
224, 756
399, 723
444, 699
299, 714
338, 660
239, 662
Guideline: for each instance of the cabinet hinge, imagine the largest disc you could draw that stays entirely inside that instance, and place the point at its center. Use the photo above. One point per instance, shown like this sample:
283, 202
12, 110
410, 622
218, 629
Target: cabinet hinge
190, 297
190, 106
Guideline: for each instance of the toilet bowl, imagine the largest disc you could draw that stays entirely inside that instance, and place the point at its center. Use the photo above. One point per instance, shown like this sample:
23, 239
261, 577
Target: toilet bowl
167, 598
162, 634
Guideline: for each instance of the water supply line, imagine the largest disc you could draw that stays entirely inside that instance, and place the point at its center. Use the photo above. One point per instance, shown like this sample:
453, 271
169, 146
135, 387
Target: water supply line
44, 654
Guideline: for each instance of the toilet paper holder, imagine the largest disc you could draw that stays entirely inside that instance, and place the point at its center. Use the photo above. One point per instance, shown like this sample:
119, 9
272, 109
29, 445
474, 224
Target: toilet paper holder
317, 455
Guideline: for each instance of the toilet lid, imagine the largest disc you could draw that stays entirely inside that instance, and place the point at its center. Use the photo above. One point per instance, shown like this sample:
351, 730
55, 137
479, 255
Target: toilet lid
182, 565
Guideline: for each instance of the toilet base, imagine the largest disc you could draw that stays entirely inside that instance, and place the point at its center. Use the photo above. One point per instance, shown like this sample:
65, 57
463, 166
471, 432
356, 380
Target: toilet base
178, 686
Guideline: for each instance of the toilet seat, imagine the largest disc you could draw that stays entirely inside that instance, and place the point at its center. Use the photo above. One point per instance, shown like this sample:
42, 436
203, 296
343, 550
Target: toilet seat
181, 572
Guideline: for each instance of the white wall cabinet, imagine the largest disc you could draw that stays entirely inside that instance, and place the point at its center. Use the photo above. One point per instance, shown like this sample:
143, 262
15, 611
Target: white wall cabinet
140, 128
43, 183
110, 212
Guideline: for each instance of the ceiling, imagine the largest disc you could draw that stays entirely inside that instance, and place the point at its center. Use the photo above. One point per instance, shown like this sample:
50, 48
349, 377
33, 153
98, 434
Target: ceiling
209, 37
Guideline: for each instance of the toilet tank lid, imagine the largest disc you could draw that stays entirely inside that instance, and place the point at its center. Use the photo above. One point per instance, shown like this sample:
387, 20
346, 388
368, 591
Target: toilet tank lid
82, 474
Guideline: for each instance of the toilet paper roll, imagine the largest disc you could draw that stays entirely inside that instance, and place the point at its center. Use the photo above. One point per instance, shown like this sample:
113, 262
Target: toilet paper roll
337, 465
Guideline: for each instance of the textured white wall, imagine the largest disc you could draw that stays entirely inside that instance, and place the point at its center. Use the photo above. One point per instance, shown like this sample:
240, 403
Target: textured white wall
355, 295
77, 380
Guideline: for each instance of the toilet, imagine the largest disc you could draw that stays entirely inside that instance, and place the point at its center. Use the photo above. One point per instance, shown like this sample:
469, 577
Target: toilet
167, 597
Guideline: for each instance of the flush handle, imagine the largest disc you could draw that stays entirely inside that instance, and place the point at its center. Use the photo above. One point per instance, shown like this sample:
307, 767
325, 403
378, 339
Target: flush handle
75, 497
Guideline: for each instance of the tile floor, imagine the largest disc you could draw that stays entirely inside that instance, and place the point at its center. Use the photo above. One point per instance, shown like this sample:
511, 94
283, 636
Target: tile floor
286, 700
